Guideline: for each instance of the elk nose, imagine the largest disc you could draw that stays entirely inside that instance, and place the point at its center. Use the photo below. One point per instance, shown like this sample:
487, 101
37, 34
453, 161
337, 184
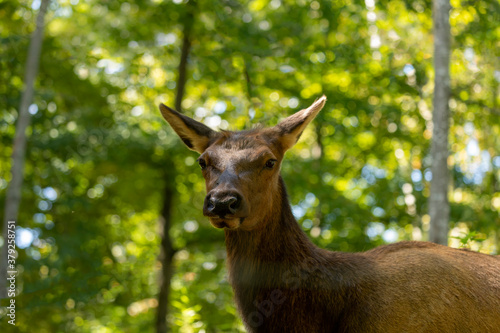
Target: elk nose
221, 204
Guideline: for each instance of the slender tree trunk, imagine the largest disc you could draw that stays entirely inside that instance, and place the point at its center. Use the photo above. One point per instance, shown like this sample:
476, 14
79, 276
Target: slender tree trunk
13, 197
167, 250
439, 208
166, 254
248, 81
181, 81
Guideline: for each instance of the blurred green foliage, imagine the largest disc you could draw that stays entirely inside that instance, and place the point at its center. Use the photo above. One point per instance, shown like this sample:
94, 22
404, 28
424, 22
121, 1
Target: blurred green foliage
99, 150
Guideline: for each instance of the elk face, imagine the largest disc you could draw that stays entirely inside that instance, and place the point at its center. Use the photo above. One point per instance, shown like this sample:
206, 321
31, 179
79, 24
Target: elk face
241, 169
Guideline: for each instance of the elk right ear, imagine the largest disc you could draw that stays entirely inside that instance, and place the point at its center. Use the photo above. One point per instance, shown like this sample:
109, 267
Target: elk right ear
194, 134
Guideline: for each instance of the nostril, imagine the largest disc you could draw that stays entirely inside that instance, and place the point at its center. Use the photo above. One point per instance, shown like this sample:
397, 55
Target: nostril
233, 204
231, 201
211, 203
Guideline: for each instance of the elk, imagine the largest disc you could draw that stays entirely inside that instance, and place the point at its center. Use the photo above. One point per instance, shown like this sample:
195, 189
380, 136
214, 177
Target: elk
282, 282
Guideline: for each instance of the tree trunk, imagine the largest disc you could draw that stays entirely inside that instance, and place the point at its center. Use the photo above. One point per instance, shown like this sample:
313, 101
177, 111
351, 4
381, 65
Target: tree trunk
13, 196
166, 254
167, 250
181, 81
439, 208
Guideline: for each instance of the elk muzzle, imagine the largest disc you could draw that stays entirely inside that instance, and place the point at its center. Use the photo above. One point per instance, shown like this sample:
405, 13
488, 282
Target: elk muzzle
225, 208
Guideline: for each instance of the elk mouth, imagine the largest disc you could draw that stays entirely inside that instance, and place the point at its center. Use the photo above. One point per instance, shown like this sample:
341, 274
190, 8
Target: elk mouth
229, 223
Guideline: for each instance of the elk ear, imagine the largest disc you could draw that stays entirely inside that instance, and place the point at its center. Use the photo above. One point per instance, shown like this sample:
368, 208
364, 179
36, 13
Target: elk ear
194, 134
290, 129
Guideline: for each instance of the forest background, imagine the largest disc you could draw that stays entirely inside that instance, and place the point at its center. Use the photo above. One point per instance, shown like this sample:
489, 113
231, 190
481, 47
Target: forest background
105, 176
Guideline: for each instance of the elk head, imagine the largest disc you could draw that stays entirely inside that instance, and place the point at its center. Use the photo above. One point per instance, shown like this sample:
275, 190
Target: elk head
241, 169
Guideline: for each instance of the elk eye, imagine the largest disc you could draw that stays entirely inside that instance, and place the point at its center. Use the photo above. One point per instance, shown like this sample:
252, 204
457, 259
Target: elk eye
270, 164
202, 163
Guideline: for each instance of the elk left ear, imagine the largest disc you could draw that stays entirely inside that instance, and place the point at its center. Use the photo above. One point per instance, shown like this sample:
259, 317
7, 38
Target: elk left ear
290, 129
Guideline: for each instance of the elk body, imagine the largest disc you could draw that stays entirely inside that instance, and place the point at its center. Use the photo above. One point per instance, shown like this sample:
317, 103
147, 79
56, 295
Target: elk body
283, 283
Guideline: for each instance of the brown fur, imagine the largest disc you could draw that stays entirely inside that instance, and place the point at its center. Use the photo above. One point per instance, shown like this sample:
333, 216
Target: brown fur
402, 287
284, 283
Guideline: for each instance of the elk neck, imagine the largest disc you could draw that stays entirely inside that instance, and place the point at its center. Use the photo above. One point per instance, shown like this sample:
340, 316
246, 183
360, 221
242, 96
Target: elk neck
278, 240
